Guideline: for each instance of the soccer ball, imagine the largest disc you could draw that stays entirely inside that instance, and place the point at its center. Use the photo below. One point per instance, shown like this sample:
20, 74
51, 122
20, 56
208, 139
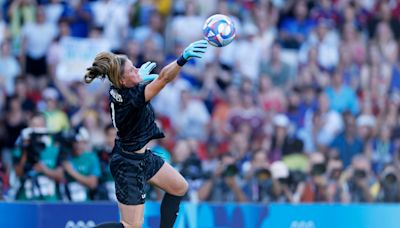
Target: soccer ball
219, 30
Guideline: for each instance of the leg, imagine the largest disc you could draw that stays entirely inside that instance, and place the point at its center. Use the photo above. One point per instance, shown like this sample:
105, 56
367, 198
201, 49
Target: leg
168, 179
131, 215
129, 185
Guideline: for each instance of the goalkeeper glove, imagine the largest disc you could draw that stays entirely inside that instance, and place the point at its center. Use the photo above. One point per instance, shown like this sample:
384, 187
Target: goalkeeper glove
145, 69
195, 49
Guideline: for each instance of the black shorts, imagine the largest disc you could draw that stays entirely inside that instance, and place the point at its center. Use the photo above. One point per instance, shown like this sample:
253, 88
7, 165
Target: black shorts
131, 171
36, 67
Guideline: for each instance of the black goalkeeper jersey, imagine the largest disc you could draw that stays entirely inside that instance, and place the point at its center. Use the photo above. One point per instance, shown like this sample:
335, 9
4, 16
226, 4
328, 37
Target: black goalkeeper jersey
133, 117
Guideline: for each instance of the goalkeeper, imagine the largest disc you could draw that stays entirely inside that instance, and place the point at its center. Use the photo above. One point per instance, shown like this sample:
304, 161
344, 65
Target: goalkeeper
132, 164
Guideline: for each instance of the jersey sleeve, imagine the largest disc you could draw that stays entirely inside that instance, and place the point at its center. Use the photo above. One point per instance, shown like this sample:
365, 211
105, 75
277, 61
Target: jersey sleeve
136, 95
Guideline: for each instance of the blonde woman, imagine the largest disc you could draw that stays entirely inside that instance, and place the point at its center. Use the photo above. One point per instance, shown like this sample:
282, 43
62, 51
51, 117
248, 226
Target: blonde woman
132, 164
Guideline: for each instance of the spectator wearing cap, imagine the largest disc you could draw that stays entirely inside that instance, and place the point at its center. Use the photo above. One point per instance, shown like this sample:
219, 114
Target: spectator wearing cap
82, 169
366, 131
281, 182
56, 119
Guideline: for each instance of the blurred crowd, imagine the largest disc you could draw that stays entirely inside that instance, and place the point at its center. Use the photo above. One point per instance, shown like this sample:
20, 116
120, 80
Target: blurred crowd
303, 106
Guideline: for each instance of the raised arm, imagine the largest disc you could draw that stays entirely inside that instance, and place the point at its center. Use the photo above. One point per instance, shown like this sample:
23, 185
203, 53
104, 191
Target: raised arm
169, 72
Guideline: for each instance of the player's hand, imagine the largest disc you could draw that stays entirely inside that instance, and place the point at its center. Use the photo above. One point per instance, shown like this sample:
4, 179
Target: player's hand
195, 49
145, 69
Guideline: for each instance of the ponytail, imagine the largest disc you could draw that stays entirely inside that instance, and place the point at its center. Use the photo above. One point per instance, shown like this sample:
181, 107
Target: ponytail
106, 64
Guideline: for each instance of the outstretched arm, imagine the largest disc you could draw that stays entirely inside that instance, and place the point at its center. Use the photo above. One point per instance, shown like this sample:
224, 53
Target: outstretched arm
169, 72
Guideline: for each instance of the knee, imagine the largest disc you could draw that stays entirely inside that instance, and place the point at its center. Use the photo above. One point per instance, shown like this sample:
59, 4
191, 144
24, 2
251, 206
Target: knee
182, 188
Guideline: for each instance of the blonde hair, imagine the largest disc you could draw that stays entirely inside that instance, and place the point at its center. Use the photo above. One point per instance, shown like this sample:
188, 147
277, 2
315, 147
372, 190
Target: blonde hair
107, 64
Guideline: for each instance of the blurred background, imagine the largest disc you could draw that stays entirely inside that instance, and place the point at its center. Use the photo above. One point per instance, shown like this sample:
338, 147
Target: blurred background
302, 107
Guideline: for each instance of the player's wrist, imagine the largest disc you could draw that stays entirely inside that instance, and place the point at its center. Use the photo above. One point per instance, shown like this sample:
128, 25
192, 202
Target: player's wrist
181, 60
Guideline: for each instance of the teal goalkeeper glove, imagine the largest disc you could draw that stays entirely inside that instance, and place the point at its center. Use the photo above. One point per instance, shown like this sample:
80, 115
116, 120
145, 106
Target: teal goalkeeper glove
195, 49
145, 69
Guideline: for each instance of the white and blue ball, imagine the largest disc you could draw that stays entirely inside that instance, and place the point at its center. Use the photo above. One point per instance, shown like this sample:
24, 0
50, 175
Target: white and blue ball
219, 30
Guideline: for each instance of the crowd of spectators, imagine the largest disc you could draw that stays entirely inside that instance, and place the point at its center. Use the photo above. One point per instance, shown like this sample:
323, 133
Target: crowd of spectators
302, 107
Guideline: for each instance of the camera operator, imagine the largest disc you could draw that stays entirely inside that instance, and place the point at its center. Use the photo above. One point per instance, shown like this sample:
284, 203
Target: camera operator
224, 183
389, 190
260, 186
82, 169
106, 187
334, 171
282, 182
357, 181
186, 161
193, 172
36, 162
315, 189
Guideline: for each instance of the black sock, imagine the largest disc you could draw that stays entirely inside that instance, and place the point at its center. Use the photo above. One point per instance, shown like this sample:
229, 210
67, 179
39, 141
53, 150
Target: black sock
169, 210
110, 225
